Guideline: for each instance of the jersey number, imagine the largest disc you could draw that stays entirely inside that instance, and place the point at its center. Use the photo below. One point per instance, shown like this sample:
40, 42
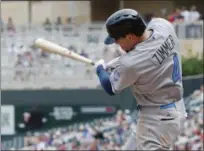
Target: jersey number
176, 70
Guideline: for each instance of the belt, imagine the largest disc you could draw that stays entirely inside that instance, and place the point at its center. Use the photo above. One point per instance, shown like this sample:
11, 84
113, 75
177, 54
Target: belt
165, 106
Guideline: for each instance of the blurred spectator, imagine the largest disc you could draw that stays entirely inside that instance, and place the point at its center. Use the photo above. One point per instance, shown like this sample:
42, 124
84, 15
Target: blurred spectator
185, 13
163, 12
10, 27
19, 70
176, 16
1, 22
29, 64
202, 16
29, 58
68, 29
44, 55
171, 17
198, 93
69, 20
148, 17
94, 145
73, 48
23, 63
33, 120
202, 88
98, 137
47, 24
88, 68
13, 50
58, 22
2, 25
120, 117
194, 15
84, 54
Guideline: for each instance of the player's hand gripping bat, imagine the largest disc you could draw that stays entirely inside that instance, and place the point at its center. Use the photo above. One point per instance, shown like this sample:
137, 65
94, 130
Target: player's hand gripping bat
51, 47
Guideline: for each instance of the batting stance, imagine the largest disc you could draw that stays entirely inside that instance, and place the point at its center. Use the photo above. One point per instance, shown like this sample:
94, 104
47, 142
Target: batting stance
151, 67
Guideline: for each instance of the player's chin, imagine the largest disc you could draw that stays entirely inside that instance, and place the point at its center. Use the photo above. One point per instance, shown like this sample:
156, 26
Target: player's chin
125, 49
128, 50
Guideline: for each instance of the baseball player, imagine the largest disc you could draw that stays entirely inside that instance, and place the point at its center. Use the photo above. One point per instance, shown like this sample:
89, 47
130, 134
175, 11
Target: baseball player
151, 67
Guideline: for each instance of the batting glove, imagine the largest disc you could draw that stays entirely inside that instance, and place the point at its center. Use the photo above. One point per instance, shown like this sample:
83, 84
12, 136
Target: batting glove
101, 62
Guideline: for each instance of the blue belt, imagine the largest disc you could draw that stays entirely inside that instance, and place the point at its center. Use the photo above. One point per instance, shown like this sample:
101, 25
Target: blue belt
165, 106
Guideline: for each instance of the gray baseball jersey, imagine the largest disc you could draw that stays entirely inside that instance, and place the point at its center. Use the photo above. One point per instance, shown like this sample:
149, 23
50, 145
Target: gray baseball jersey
153, 68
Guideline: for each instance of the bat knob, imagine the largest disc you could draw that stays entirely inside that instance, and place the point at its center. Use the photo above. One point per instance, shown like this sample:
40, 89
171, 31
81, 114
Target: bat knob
92, 63
34, 41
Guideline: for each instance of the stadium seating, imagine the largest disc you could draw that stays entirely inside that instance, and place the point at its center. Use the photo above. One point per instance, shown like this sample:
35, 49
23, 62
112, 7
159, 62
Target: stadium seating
78, 38
79, 136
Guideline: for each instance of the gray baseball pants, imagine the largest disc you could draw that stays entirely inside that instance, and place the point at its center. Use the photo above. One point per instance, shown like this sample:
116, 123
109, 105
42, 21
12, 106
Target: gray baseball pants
157, 128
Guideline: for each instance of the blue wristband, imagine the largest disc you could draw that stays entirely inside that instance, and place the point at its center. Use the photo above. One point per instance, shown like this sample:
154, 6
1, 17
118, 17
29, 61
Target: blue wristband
100, 67
104, 79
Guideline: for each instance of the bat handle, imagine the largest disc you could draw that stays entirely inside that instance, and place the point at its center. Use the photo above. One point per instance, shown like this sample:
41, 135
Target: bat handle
93, 63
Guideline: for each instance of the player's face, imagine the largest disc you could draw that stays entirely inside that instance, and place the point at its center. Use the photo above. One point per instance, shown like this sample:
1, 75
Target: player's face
127, 43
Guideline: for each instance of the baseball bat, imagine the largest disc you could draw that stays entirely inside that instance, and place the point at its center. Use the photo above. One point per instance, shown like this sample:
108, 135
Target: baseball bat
52, 47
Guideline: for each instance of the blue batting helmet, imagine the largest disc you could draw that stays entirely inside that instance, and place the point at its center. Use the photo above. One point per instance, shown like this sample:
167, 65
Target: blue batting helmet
123, 22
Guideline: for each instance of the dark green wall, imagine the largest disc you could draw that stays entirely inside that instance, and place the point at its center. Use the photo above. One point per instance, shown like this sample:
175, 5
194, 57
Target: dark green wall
65, 97
81, 96
192, 84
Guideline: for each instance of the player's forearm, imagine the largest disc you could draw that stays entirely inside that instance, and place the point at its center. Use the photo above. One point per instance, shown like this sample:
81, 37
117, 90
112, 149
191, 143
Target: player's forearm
104, 79
113, 63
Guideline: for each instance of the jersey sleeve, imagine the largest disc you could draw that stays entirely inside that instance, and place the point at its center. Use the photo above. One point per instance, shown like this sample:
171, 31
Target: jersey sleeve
111, 65
161, 24
121, 78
